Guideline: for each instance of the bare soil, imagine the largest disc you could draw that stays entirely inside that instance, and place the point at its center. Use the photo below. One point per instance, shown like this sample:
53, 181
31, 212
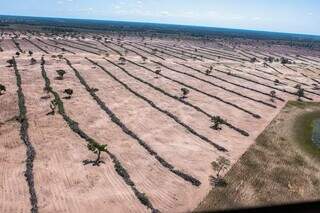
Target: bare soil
177, 131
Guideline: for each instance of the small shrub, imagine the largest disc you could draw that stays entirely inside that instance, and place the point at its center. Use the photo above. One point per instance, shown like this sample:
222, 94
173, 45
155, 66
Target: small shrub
69, 92
185, 92
33, 61
273, 95
53, 106
300, 93
252, 60
217, 121
2, 89
276, 82
96, 149
122, 61
61, 73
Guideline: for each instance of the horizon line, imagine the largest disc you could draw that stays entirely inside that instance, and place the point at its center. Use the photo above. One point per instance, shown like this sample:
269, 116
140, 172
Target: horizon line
164, 23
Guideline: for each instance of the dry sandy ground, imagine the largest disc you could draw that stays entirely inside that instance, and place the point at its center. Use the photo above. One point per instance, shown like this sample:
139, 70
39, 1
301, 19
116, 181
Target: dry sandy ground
63, 184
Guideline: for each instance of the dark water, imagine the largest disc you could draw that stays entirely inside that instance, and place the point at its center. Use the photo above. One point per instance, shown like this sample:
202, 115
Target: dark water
316, 133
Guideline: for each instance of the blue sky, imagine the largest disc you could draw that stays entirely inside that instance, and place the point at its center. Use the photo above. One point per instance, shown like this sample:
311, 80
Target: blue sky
296, 16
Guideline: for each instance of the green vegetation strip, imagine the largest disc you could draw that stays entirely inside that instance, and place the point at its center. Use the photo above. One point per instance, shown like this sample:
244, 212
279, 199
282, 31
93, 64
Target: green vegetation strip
243, 132
224, 88
148, 52
36, 45
126, 130
79, 48
17, 45
207, 94
31, 153
232, 83
153, 105
263, 84
55, 46
74, 126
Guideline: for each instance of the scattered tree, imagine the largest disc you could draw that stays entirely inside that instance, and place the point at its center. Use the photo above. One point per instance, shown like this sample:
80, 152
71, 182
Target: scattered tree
94, 90
158, 71
144, 59
30, 53
300, 93
217, 122
285, 60
298, 86
208, 72
2, 89
17, 53
218, 166
276, 82
122, 61
61, 73
273, 95
252, 60
10, 62
185, 92
53, 106
33, 61
96, 149
315, 87
69, 92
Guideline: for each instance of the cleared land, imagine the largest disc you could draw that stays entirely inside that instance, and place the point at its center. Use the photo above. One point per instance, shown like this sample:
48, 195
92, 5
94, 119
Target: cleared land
160, 146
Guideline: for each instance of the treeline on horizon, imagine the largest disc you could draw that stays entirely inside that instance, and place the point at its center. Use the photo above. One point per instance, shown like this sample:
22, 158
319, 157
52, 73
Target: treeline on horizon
73, 25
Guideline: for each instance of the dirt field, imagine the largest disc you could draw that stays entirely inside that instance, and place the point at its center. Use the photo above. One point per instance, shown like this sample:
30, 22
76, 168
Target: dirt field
160, 145
280, 168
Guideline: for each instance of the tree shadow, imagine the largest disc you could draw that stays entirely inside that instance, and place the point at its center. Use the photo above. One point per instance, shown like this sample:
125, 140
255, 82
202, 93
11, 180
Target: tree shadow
217, 181
93, 162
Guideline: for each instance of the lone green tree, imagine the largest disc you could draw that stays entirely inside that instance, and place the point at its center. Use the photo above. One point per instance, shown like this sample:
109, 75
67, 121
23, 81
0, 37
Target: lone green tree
60, 73
217, 122
96, 149
218, 166
2, 89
